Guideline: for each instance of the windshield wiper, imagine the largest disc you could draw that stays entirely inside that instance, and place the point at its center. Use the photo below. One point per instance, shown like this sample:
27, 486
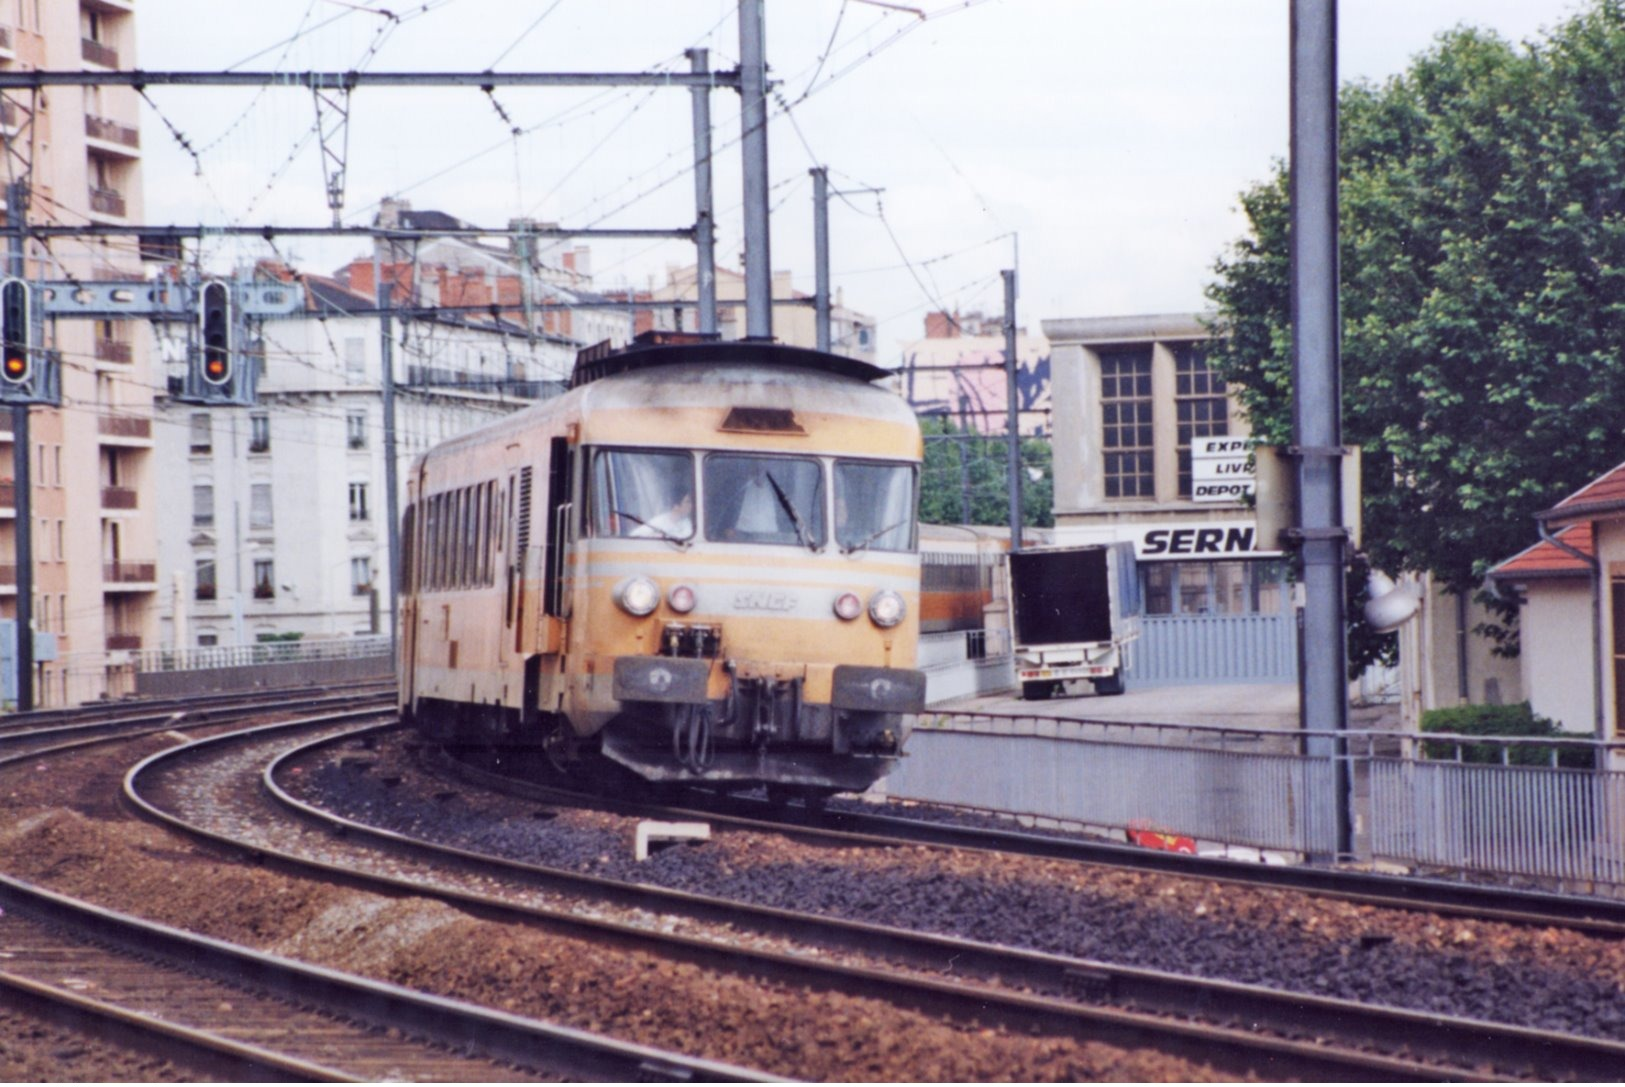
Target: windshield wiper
795, 516
664, 535
872, 537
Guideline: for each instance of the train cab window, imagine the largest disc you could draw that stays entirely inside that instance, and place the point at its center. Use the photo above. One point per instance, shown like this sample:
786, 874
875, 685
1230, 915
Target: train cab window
874, 506
642, 493
771, 500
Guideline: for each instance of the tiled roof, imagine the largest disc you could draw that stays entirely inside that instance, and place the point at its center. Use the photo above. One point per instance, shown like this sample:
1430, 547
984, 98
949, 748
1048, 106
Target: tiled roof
1547, 561
1605, 494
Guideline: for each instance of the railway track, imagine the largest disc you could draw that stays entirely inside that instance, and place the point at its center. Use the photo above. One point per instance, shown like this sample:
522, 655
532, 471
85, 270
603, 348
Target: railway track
236, 1013
163, 988
841, 827
1055, 994
49, 732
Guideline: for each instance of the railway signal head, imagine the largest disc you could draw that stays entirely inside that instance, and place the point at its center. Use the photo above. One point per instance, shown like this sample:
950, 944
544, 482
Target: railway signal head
16, 332
215, 317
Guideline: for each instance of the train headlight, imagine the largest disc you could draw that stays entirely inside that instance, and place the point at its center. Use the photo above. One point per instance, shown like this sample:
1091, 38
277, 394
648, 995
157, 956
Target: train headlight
638, 596
886, 608
848, 606
681, 599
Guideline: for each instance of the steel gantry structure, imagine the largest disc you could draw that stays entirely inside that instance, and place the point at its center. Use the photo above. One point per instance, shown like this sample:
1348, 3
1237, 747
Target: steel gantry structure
331, 93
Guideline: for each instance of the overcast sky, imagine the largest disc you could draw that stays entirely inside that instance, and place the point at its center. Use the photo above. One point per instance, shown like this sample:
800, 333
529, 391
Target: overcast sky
1097, 145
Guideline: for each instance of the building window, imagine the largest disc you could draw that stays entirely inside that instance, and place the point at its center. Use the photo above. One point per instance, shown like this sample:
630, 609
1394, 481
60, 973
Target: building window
264, 580
259, 433
360, 575
203, 505
202, 433
1125, 402
1213, 588
355, 429
355, 356
1199, 403
207, 640
259, 505
205, 579
358, 502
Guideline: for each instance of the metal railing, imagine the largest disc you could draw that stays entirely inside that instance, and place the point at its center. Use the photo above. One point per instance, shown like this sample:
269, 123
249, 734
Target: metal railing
124, 572
107, 202
242, 656
119, 498
98, 53
111, 131
124, 426
1416, 802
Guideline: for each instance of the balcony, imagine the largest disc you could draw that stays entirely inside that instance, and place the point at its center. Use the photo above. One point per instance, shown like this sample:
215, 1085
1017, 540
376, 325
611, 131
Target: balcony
98, 53
130, 573
115, 351
108, 202
118, 498
111, 136
123, 641
127, 430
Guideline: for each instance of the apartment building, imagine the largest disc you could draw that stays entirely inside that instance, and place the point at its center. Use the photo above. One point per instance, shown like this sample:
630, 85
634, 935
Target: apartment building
94, 577
277, 514
851, 333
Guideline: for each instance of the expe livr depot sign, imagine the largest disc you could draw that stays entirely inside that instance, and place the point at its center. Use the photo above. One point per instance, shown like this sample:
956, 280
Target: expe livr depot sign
1220, 469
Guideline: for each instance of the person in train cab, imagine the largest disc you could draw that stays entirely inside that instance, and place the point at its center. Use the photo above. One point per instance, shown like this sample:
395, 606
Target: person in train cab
758, 508
676, 522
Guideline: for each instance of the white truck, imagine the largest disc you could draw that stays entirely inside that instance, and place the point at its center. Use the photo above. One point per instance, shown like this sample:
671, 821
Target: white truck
1073, 613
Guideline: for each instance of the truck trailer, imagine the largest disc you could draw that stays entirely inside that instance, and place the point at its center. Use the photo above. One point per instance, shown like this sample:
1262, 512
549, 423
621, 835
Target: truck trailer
1074, 611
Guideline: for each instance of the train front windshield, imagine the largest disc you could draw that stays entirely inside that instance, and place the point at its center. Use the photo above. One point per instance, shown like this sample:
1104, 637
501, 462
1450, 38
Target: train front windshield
771, 500
746, 498
874, 506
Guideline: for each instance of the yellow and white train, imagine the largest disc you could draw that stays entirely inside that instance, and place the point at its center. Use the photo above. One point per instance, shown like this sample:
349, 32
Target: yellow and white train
701, 562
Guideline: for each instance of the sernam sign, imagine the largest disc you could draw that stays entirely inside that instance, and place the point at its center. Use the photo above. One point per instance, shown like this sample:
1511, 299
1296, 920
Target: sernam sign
1225, 540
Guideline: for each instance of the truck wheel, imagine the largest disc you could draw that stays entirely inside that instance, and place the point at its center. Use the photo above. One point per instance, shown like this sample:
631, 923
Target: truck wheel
1037, 692
1112, 684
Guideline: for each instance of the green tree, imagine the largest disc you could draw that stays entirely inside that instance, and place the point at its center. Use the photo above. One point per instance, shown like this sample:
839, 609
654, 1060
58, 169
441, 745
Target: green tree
965, 480
1483, 290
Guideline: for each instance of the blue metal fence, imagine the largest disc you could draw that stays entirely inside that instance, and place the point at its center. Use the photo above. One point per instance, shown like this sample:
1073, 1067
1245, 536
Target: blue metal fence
1215, 649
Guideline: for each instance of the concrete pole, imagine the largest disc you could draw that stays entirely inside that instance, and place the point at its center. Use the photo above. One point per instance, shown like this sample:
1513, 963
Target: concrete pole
392, 500
753, 119
820, 176
1317, 399
22, 470
1012, 415
705, 224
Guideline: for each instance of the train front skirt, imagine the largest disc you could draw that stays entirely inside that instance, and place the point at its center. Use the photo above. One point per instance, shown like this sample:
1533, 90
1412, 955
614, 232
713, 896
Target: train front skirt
764, 731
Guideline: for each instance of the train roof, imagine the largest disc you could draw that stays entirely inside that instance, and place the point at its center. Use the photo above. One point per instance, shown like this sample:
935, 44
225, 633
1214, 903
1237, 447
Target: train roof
596, 363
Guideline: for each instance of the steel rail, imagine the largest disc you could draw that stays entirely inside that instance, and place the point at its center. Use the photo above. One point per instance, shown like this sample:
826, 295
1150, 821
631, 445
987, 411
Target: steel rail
24, 745
447, 1022
496, 1035
189, 1046
1177, 996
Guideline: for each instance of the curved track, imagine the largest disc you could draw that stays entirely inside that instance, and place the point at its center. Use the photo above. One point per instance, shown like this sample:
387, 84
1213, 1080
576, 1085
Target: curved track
228, 1011
1063, 994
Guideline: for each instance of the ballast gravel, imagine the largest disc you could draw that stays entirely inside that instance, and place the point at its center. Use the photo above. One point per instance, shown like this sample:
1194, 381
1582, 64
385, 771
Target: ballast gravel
1552, 979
